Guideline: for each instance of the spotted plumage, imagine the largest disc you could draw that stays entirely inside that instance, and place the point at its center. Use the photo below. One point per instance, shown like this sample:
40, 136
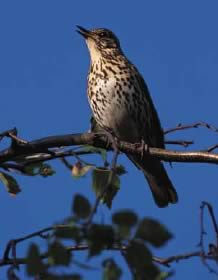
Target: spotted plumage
121, 103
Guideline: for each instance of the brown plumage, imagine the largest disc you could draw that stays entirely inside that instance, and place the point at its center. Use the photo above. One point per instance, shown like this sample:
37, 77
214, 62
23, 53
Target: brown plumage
121, 103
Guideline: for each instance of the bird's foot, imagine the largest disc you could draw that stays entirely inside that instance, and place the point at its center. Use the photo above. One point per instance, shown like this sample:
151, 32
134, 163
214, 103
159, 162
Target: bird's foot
143, 147
110, 139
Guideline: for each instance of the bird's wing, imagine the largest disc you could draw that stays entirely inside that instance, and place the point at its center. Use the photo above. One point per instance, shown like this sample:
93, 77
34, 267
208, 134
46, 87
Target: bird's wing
153, 131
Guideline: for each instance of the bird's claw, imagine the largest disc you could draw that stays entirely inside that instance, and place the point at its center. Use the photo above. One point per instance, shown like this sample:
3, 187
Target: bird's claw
144, 147
110, 139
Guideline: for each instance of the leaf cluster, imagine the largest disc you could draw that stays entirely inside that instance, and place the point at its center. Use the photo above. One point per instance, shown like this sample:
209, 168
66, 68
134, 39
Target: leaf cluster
127, 233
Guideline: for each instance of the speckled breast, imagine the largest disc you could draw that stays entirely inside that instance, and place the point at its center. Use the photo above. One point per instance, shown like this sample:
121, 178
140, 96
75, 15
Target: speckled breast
110, 97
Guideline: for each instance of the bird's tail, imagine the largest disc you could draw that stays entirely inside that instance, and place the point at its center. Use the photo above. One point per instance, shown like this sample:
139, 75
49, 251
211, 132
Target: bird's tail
161, 187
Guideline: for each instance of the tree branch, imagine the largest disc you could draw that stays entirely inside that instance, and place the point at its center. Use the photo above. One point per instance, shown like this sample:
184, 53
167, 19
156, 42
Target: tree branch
83, 247
177, 258
45, 145
22, 153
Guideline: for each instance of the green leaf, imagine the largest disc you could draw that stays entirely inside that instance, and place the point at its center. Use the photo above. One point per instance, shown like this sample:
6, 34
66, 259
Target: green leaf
10, 183
124, 220
164, 275
120, 170
100, 180
138, 254
34, 264
139, 259
81, 206
58, 254
111, 270
41, 168
46, 170
99, 237
95, 150
153, 232
71, 232
32, 169
80, 170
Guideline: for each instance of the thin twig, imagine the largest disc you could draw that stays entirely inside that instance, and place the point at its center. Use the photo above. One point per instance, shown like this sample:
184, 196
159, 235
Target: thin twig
211, 212
17, 139
212, 148
66, 163
12, 243
183, 143
189, 126
57, 154
177, 258
203, 232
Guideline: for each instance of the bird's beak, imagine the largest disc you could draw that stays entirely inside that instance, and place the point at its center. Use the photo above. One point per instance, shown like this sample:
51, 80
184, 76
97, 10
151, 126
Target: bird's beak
84, 32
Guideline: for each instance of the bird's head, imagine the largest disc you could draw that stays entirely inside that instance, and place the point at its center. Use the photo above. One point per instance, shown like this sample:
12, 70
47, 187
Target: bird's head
100, 42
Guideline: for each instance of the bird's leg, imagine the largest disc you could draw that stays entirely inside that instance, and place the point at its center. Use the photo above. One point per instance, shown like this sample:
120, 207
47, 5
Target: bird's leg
94, 126
111, 139
97, 129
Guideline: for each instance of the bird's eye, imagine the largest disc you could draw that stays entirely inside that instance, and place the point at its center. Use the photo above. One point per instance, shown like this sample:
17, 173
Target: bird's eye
102, 34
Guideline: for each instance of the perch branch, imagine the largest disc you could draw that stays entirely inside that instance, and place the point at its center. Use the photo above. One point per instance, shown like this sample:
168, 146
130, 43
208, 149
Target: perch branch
44, 145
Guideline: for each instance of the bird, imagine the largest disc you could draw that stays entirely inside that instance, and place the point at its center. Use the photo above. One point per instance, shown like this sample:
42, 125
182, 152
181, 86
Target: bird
121, 103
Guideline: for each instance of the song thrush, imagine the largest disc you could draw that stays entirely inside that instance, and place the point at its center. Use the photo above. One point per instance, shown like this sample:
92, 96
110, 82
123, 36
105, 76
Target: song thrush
121, 103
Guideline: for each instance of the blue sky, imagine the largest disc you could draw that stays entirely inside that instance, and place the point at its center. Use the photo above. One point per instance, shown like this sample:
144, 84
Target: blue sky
43, 69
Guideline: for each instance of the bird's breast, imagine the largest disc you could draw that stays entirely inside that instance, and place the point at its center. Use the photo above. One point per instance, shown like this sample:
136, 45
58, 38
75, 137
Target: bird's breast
110, 101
